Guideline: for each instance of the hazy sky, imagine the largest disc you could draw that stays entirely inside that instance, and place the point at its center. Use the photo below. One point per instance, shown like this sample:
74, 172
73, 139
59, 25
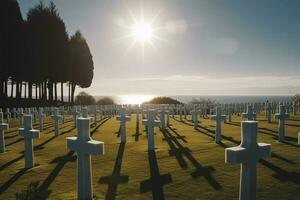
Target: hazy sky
202, 47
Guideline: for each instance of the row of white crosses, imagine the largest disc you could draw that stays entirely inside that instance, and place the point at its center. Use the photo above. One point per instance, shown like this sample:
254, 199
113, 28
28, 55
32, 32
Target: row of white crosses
3, 128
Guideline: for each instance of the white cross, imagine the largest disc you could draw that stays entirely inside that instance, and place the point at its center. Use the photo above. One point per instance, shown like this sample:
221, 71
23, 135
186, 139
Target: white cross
41, 119
180, 112
163, 113
123, 119
56, 117
195, 118
8, 115
282, 115
84, 146
268, 111
21, 114
247, 154
14, 113
150, 123
218, 118
3, 127
75, 113
29, 134
250, 115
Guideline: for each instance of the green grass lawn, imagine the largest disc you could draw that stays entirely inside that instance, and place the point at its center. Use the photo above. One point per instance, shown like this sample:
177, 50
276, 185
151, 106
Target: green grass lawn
187, 164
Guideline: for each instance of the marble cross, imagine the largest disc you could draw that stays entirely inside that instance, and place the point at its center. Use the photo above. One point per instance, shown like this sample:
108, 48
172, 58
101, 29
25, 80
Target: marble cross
84, 146
3, 127
195, 118
56, 118
123, 119
250, 115
151, 123
248, 153
29, 134
41, 119
8, 115
282, 115
163, 113
268, 111
21, 114
218, 117
75, 114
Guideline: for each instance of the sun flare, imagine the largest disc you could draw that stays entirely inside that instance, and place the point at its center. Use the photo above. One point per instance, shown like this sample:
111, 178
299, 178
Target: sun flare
135, 99
142, 31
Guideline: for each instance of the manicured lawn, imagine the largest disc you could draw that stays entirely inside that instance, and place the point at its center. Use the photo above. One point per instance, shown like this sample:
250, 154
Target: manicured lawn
186, 165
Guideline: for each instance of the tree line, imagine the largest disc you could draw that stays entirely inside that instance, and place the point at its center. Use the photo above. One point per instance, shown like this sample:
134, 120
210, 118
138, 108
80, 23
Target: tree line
37, 55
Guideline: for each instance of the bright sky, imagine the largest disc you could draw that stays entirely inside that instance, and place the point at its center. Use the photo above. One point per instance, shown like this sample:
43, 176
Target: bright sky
190, 47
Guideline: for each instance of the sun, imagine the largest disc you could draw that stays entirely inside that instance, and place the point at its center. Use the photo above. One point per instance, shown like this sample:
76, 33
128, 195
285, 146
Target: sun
142, 31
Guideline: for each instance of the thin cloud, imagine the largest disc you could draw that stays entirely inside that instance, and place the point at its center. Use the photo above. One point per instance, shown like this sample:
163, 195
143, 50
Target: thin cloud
176, 26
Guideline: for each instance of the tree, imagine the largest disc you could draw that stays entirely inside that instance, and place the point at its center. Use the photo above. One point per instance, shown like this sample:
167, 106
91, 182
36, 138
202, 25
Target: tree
49, 41
84, 98
81, 69
105, 101
10, 21
162, 100
296, 97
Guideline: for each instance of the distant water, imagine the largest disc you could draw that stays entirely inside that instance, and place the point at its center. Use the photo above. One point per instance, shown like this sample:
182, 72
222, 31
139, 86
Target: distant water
219, 99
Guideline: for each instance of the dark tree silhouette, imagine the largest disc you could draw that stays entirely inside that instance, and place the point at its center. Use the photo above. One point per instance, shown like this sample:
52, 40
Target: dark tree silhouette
36, 54
84, 98
162, 100
49, 41
81, 63
106, 101
10, 21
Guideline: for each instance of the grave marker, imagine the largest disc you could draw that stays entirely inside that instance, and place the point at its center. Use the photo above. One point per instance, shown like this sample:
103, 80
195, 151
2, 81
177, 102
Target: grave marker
29, 134
84, 146
248, 153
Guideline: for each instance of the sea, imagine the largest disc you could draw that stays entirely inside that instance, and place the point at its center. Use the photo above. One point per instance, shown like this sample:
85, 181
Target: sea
125, 99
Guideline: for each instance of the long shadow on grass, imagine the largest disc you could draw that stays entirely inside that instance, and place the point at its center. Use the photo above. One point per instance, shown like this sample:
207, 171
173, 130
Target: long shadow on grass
294, 125
174, 151
156, 181
200, 170
11, 162
13, 179
61, 161
296, 120
178, 136
281, 174
14, 142
11, 136
234, 124
284, 142
275, 134
115, 179
137, 132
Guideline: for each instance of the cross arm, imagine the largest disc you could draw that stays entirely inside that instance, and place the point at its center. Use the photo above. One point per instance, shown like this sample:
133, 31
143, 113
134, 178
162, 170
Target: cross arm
86, 147
212, 117
264, 150
4, 126
234, 155
29, 133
